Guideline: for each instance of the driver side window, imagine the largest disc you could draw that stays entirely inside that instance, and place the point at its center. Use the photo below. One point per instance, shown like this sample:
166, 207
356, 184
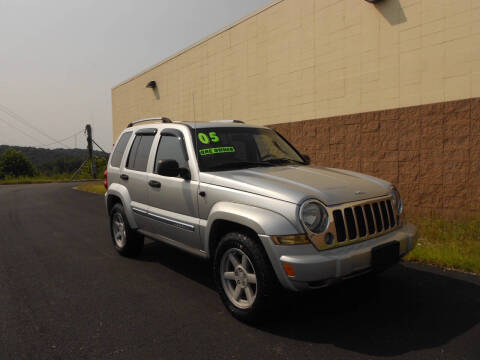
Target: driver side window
170, 148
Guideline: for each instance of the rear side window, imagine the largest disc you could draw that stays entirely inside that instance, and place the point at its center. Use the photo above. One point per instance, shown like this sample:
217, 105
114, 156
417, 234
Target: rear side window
139, 153
120, 149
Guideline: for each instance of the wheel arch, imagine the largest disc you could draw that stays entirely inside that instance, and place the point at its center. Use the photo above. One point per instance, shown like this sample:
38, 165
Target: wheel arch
227, 217
119, 194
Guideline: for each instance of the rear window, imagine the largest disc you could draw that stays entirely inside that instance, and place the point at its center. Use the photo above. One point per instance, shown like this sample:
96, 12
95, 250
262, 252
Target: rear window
120, 149
139, 153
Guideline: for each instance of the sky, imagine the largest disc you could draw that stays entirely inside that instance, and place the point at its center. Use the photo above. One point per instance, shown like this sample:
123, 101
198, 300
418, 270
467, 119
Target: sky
59, 59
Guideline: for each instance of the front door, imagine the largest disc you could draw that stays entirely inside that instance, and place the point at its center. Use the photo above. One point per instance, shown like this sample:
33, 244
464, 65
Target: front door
173, 201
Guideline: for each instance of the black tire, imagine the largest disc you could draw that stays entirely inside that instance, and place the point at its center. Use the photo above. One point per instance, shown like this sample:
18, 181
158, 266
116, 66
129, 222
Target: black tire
133, 244
266, 286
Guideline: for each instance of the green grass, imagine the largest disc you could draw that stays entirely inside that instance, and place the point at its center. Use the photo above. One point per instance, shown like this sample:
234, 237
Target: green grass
450, 244
94, 187
37, 179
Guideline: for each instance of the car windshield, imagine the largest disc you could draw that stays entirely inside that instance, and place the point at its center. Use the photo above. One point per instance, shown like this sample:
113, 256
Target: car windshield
230, 148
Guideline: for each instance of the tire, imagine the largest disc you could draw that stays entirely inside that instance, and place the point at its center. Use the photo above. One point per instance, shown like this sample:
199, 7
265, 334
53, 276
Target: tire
251, 283
126, 241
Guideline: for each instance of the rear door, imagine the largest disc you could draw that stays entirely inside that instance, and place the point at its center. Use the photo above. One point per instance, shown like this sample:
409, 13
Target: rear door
173, 200
134, 174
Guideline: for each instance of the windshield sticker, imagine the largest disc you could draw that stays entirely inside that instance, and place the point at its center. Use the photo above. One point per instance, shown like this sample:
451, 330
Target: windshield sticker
212, 136
218, 150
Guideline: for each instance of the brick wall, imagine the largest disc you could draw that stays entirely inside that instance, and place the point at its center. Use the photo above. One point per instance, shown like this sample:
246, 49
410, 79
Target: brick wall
431, 152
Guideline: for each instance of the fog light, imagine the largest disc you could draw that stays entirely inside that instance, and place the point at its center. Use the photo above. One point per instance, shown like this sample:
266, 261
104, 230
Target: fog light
299, 239
289, 270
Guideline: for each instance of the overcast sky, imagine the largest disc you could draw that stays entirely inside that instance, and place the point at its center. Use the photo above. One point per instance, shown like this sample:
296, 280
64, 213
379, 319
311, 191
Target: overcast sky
59, 59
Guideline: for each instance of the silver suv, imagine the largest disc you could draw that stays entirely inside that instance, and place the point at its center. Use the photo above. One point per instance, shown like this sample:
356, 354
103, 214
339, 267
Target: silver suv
245, 198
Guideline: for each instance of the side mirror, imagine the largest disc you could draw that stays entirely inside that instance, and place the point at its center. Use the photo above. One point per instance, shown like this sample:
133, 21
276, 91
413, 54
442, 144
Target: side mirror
306, 158
168, 168
185, 173
171, 168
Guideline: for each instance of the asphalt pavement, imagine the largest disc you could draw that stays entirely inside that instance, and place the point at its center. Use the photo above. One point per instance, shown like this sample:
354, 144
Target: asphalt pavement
66, 294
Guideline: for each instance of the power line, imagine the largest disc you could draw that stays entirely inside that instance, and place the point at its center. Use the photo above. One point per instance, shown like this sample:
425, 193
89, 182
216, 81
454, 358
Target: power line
67, 138
99, 147
23, 132
13, 114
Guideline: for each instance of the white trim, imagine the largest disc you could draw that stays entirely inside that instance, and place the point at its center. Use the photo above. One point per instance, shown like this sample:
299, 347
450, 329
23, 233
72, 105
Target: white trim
262, 9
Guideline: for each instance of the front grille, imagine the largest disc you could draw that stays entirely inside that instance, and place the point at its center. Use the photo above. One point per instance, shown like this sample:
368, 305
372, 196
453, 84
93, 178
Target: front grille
362, 220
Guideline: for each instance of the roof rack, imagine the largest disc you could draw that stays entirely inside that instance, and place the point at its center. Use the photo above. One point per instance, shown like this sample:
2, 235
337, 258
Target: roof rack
162, 119
228, 121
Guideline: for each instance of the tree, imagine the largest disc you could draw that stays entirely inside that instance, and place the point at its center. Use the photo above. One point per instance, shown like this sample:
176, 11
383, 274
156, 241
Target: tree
13, 163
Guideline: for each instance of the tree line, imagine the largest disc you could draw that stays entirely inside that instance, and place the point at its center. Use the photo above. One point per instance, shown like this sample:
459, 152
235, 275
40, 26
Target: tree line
16, 161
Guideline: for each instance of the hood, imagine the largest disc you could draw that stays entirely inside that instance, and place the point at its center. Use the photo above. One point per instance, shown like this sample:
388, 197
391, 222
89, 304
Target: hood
296, 183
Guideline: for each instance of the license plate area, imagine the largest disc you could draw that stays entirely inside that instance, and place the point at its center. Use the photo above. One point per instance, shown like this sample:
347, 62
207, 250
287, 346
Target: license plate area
386, 254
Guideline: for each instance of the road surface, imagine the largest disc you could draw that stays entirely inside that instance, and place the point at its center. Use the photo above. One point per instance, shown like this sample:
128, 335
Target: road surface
65, 293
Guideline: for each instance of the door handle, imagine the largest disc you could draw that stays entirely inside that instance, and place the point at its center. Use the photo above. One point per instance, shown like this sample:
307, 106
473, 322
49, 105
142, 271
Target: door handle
154, 184
124, 177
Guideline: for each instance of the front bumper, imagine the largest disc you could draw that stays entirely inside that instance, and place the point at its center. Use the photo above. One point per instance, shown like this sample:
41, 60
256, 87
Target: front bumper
315, 269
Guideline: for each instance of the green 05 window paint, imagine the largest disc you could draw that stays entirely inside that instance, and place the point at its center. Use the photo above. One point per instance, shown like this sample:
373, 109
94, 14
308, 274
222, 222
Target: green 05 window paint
205, 139
218, 150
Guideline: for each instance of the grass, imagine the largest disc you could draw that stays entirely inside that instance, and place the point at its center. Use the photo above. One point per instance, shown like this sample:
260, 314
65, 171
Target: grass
39, 179
94, 188
450, 244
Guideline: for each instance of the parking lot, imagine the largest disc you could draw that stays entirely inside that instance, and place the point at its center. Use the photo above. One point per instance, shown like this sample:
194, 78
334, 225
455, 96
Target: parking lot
65, 293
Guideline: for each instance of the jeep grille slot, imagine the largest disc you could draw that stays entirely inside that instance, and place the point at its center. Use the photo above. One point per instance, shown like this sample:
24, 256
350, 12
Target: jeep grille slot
370, 221
339, 225
390, 213
364, 220
362, 231
386, 221
352, 229
378, 217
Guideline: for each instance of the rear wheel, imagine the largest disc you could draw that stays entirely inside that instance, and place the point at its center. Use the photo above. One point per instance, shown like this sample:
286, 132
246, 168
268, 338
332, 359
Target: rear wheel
244, 276
125, 240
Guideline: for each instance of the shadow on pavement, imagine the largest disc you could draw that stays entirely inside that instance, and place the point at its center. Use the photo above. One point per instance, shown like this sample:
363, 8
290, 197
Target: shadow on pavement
404, 309
190, 266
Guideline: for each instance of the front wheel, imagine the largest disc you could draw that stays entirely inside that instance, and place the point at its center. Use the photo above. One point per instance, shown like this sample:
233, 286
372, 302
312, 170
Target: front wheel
244, 276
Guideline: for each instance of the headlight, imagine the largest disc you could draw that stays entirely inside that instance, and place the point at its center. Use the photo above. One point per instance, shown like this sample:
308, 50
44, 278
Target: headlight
397, 199
314, 216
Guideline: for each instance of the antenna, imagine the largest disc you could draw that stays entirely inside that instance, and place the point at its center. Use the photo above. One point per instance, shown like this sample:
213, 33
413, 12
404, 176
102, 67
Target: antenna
195, 124
199, 190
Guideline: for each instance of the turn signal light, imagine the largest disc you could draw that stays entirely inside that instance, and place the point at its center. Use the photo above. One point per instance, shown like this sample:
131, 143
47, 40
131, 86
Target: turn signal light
299, 239
105, 180
289, 270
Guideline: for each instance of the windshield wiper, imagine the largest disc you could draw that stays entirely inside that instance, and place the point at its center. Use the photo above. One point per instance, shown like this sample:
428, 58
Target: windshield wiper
240, 164
285, 161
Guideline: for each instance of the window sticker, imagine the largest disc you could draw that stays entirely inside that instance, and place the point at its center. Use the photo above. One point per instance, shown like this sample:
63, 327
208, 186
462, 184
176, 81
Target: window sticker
212, 136
218, 150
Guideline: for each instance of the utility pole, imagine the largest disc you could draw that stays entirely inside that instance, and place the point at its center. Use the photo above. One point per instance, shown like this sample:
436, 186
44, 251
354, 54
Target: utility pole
88, 129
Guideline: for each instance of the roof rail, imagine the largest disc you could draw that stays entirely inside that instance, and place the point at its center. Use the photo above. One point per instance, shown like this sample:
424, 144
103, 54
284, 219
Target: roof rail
162, 119
228, 121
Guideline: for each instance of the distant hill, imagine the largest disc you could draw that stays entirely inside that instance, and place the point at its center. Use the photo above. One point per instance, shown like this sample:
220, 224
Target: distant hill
56, 160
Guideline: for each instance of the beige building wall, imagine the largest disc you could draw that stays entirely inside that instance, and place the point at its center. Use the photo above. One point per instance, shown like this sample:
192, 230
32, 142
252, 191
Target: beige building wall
305, 59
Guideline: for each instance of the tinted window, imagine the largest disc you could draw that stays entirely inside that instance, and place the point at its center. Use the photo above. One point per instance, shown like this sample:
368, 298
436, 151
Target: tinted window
225, 148
120, 149
170, 148
138, 157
